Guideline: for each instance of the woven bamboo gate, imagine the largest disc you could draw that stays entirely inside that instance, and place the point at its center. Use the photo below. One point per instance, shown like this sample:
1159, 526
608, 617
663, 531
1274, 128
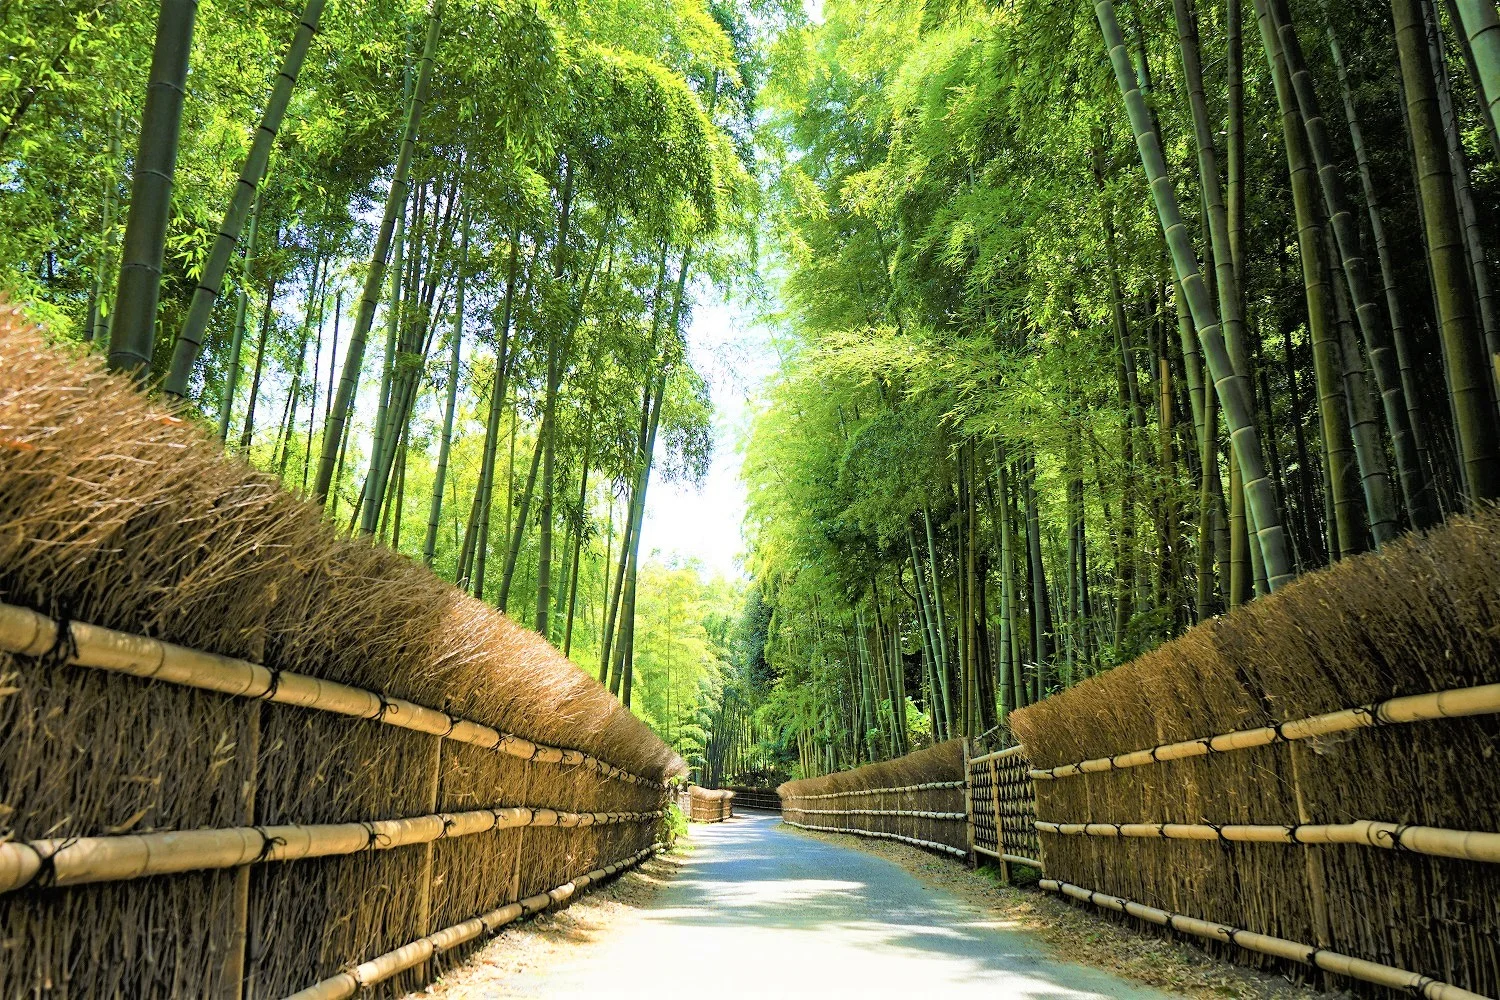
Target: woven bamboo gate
241, 756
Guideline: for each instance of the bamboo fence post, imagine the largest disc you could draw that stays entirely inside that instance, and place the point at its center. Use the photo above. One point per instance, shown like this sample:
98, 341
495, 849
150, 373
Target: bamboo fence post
237, 959
515, 873
972, 858
999, 827
1317, 891
424, 898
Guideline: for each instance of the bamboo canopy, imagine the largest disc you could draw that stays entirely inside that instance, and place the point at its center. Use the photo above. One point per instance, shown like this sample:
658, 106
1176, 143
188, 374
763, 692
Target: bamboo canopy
931, 845
383, 967
27, 633
1451, 704
1330, 961
1465, 845
78, 860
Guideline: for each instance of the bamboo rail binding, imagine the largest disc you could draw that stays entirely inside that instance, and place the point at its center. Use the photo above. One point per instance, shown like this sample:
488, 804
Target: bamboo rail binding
351, 981
930, 844
1451, 704
1330, 961
1462, 844
79, 860
28, 633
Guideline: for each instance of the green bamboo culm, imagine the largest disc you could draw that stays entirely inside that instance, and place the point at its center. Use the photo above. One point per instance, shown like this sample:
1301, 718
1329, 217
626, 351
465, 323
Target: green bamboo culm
190, 337
375, 276
1481, 26
133, 321
1469, 375
237, 340
1372, 320
429, 545
1232, 388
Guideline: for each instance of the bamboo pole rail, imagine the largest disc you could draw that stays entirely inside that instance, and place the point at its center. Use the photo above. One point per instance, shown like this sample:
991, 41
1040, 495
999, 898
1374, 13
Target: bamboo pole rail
922, 813
78, 860
880, 791
28, 633
351, 981
1321, 958
1465, 845
930, 844
1005, 754
1451, 704
1014, 858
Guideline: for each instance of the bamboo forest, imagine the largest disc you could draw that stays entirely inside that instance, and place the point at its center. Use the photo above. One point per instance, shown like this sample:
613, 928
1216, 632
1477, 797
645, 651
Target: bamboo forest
853, 391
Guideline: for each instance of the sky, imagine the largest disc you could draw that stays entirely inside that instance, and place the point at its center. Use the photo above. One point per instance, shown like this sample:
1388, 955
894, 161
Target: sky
682, 521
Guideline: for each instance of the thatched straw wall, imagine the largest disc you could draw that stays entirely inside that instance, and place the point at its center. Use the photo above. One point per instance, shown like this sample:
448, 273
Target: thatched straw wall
855, 801
709, 805
1422, 616
114, 514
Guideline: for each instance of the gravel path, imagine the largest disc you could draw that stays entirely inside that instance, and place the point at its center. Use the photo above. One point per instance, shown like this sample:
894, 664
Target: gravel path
758, 910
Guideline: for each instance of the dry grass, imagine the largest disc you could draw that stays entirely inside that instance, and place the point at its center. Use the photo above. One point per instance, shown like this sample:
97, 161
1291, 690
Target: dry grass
1423, 615
941, 763
1078, 935
114, 512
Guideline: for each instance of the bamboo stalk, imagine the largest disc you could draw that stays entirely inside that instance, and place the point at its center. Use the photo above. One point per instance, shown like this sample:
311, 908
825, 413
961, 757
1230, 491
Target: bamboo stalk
1013, 858
1329, 961
1451, 704
27, 633
383, 967
1466, 845
929, 844
924, 814
66, 861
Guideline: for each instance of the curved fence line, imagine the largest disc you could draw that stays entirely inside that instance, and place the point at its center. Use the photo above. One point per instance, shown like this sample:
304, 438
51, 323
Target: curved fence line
67, 861
1465, 845
879, 791
1451, 704
383, 967
929, 844
1330, 961
28, 633
923, 813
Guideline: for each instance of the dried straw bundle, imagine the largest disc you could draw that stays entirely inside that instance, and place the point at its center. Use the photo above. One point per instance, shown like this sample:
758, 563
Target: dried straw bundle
918, 799
1422, 616
116, 514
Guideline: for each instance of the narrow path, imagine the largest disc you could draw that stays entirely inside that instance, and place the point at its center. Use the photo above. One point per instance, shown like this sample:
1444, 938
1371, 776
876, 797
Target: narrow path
762, 911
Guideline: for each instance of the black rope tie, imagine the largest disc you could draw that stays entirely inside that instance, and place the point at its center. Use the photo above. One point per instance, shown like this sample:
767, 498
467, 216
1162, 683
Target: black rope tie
1294, 832
46, 872
1218, 832
385, 706
64, 646
449, 823
1394, 836
1279, 729
377, 839
1154, 758
1208, 744
268, 844
1312, 957
273, 687
1232, 933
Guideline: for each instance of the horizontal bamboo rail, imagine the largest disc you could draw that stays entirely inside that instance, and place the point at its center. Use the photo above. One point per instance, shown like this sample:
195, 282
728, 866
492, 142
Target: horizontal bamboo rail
1451, 704
1465, 845
78, 860
923, 813
1329, 961
880, 791
351, 981
1013, 858
27, 633
1005, 754
930, 844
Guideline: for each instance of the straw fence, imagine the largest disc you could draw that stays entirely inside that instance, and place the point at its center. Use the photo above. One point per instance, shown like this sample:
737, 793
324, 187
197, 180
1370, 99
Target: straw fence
243, 756
1309, 781
756, 798
917, 799
709, 805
